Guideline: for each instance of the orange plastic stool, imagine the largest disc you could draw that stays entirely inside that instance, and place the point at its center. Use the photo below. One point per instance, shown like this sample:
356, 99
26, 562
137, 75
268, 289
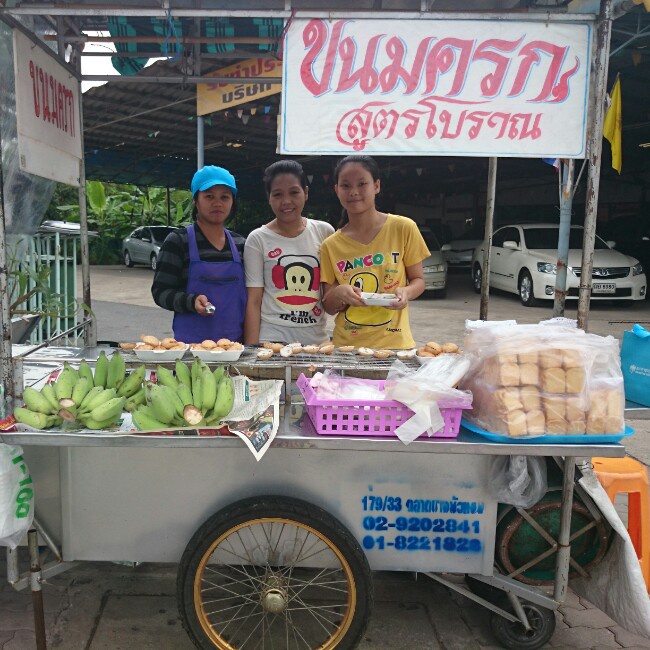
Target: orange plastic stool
626, 475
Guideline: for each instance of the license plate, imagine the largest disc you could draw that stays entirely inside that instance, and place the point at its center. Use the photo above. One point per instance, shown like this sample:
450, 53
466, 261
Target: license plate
603, 287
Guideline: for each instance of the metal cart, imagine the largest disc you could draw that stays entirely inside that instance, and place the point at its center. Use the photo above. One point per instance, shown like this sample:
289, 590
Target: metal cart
282, 549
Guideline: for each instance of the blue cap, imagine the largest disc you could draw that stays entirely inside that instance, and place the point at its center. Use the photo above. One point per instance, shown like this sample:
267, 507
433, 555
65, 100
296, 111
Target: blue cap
210, 175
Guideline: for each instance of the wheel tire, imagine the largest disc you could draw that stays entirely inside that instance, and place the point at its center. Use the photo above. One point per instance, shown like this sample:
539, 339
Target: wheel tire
515, 637
153, 261
272, 535
525, 288
127, 260
477, 278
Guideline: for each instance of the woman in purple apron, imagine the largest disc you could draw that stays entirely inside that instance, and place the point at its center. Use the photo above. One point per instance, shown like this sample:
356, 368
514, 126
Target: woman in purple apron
200, 272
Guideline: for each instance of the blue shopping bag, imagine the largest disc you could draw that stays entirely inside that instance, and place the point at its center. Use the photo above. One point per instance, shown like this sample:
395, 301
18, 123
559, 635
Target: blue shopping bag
635, 362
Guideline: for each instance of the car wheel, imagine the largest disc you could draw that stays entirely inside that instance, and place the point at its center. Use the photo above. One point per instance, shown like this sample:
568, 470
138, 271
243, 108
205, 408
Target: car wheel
127, 259
439, 294
477, 278
526, 293
154, 261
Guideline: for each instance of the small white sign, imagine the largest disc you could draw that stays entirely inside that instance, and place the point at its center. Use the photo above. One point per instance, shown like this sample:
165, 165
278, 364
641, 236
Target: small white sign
47, 114
436, 87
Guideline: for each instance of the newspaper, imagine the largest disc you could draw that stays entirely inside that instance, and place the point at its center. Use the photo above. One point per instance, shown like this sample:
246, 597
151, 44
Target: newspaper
255, 418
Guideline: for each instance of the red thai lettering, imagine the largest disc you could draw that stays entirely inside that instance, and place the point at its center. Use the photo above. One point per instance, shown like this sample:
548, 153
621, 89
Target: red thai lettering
531, 55
446, 54
478, 117
395, 71
526, 132
493, 122
315, 36
366, 76
33, 73
445, 118
492, 83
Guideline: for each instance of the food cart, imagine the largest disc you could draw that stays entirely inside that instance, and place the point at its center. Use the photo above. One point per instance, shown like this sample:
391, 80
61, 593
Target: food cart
289, 553
253, 539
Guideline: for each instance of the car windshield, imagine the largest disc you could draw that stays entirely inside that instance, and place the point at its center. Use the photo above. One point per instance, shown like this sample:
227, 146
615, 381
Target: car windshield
430, 240
546, 239
159, 233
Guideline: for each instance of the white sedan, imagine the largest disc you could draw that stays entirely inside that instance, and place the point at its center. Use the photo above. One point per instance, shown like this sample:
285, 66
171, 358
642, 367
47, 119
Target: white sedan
523, 260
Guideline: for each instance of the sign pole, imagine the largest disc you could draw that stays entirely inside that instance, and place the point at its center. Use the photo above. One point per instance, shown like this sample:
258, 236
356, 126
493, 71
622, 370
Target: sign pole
489, 221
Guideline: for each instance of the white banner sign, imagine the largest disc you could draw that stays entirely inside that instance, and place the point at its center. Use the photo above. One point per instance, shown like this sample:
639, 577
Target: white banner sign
436, 87
47, 114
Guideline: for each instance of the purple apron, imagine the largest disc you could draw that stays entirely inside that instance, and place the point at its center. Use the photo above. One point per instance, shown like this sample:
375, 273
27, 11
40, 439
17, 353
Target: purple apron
224, 285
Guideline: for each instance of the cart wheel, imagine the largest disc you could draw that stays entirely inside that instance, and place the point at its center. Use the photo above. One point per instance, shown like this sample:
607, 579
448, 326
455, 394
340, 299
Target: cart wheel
514, 636
274, 570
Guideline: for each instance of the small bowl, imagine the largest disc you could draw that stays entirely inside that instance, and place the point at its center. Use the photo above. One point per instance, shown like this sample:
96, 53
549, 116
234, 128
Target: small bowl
160, 355
211, 355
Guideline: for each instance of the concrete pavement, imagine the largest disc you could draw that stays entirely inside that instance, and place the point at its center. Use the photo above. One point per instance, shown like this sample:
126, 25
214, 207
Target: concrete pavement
103, 606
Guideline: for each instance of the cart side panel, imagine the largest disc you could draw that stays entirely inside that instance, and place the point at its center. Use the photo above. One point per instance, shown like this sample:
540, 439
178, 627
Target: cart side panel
409, 511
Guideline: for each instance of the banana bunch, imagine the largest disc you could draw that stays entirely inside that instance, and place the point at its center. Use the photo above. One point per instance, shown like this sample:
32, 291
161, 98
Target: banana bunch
193, 396
93, 401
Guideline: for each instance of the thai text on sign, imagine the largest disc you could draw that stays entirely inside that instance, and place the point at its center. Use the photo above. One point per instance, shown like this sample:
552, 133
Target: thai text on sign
47, 114
436, 87
219, 96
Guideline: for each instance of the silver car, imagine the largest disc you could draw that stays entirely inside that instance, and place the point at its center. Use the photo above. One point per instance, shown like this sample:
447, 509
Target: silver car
434, 266
143, 245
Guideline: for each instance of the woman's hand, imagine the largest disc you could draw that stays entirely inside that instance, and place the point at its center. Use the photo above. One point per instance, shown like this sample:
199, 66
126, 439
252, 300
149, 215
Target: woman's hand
339, 297
200, 304
402, 294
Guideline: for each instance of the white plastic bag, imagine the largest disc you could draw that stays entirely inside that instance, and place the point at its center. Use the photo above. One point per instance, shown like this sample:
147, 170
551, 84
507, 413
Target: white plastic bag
517, 480
16, 496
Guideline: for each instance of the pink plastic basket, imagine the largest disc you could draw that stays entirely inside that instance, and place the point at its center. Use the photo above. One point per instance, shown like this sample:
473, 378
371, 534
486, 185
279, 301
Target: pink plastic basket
378, 418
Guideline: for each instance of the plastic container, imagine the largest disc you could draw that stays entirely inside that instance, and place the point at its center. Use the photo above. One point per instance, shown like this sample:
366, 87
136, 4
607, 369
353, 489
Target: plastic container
219, 355
375, 418
160, 355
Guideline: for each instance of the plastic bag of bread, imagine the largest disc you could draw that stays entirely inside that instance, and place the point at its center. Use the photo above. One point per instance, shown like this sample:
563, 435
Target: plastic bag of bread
550, 379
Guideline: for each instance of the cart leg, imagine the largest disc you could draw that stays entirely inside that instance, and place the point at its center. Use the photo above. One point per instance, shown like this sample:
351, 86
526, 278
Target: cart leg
37, 593
519, 610
564, 546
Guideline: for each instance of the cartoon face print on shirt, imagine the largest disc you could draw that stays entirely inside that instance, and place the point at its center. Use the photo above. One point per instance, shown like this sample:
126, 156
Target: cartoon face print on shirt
297, 278
367, 316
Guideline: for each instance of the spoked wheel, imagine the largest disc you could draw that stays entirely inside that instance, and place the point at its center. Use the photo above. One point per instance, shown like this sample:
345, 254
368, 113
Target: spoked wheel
274, 572
514, 636
127, 259
526, 293
477, 278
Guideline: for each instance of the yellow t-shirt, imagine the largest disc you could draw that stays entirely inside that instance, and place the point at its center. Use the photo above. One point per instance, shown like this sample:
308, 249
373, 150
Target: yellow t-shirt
379, 266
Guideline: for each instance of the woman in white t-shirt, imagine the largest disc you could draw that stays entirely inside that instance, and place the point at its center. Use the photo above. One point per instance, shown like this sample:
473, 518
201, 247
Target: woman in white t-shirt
282, 263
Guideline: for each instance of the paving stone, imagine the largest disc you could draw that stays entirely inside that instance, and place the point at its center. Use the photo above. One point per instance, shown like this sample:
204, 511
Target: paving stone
593, 618
23, 620
628, 639
584, 637
21, 640
5, 636
572, 600
586, 603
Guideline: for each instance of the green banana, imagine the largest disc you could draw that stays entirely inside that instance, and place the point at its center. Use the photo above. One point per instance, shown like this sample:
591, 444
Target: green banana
162, 407
36, 401
74, 373
64, 384
225, 397
109, 410
184, 393
81, 389
197, 392
133, 383
166, 377
218, 373
89, 423
86, 371
92, 393
99, 399
48, 393
136, 400
208, 390
183, 374
34, 419
145, 422
196, 371
101, 370
173, 397
116, 371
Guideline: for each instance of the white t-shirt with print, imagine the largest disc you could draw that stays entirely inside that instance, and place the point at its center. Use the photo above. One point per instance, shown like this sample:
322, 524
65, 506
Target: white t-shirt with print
288, 268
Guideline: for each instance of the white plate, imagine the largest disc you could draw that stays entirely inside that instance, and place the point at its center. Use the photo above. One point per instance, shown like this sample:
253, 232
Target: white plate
209, 355
160, 355
378, 299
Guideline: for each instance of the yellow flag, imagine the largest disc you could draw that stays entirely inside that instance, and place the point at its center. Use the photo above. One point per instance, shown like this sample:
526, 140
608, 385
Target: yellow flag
612, 126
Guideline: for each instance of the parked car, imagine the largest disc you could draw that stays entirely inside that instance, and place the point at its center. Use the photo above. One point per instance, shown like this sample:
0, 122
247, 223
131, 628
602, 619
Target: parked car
523, 261
462, 248
631, 235
434, 266
143, 245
